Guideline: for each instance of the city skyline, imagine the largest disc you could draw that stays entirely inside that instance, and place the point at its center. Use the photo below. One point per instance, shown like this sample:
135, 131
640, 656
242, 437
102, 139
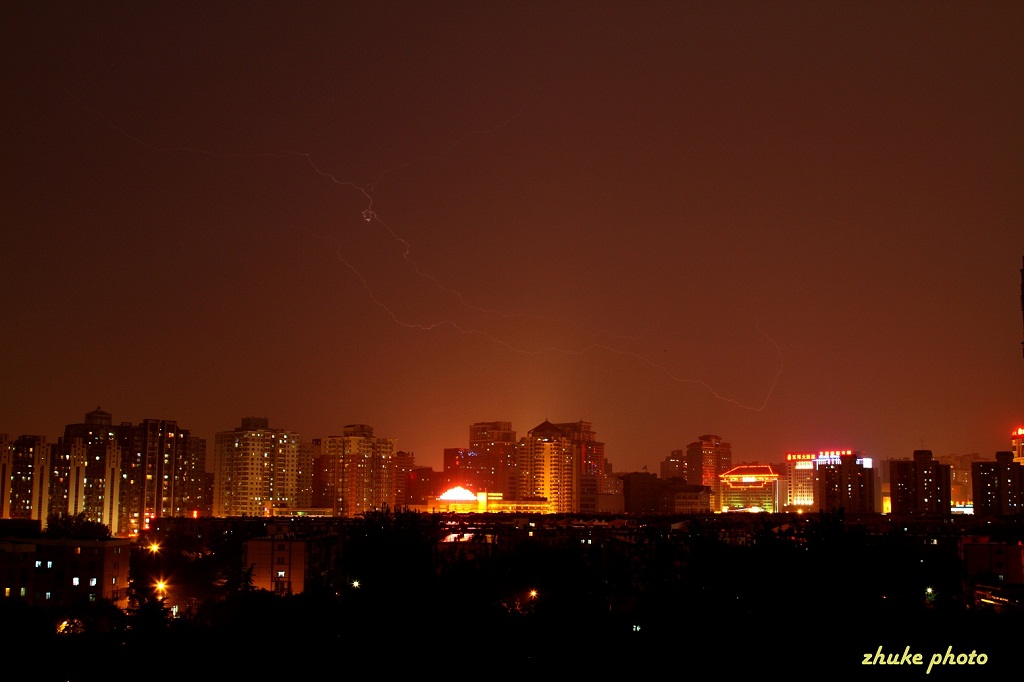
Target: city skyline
437, 463
796, 226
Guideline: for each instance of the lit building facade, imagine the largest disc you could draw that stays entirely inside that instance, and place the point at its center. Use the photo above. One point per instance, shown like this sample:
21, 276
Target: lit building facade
844, 480
494, 444
25, 469
1017, 444
464, 467
920, 485
797, 481
284, 563
361, 469
961, 491
62, 572
254, 469
589, 457
707, 459
124, 475
88, 470
750, 487
405, 464
459, 500
998, 486
163, 473
546, 468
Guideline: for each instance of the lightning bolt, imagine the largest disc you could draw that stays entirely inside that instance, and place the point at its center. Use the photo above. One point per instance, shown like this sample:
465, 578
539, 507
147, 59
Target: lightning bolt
370, 215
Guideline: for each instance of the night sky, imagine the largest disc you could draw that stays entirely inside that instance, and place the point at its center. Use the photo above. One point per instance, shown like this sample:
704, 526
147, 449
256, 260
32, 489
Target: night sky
795, 225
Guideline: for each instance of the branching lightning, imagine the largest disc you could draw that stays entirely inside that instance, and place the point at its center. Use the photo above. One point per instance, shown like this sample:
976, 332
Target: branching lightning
370, 215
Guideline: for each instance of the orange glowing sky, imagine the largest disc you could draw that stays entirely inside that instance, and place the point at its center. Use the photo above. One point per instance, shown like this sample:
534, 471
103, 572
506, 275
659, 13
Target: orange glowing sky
793, 225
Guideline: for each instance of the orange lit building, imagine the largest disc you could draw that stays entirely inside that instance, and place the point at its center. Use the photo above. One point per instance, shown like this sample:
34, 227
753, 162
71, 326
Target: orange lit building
546, 468
495, 446
459, 500
750, 487
1017, 443
707, 459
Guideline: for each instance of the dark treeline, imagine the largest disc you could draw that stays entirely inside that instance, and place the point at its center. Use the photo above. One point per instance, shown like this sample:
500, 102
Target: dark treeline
821, 590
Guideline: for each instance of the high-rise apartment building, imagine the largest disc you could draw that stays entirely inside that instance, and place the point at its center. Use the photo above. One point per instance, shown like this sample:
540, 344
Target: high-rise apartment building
462, 467
304, 475
197, 492
405, 464
546, 468
589, 457
961, 490
493, 466
998, 486
844, 480
360, 469
126, 475
707, 459
25, 470
162, 466
88, 472
256, 469
920, 485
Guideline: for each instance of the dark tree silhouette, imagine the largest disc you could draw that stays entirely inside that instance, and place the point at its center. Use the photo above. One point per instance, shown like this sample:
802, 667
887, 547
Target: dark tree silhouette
77, 526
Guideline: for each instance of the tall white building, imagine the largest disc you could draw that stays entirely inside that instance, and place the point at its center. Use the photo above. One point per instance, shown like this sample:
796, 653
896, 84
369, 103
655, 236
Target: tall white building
256, 470
798, 481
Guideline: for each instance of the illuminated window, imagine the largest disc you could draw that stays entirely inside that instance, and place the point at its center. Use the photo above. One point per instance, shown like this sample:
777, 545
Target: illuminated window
75, 581
92, 582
